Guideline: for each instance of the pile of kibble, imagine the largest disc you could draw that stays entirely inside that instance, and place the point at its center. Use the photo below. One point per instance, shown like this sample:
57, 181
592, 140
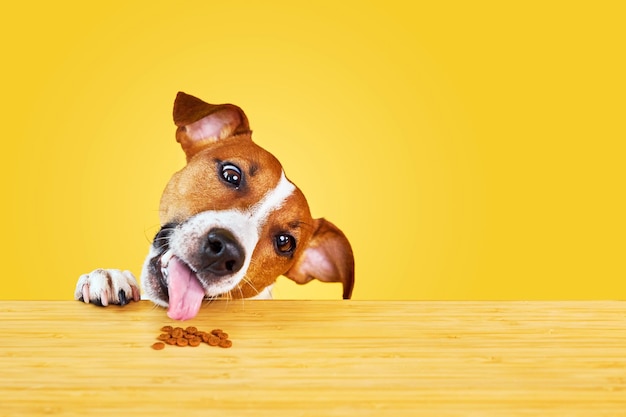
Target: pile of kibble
191, 336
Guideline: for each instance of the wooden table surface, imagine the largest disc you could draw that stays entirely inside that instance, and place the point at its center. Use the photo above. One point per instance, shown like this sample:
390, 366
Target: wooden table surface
317, 358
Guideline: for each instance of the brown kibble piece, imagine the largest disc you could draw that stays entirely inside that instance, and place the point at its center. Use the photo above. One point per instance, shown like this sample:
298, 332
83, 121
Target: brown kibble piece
225, 343
191, 336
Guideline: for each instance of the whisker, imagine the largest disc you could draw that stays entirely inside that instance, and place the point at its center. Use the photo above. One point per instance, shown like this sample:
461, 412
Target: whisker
228, 298
163, 246
211, 299
247, 281
243, 300
153, 227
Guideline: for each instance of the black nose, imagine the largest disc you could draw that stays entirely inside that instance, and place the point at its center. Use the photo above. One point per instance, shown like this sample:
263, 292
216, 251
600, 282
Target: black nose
222, 255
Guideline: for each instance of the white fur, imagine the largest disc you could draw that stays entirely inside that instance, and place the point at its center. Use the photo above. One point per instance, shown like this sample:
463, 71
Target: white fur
245, 225
273, 200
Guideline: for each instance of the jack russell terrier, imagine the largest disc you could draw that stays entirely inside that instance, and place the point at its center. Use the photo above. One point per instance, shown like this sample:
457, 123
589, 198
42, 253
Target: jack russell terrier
231, 223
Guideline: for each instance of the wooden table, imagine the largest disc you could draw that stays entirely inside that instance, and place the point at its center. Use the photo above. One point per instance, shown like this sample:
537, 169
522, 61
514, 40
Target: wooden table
318, 358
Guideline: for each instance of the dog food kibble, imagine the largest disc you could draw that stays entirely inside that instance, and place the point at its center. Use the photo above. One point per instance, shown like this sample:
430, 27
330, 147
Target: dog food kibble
225, 343
191, 336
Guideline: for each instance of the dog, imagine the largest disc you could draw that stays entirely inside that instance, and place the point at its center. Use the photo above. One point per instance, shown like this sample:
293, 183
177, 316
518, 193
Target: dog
231, 224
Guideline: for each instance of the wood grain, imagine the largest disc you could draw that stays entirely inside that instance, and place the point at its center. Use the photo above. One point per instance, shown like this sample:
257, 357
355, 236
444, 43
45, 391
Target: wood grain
314, 358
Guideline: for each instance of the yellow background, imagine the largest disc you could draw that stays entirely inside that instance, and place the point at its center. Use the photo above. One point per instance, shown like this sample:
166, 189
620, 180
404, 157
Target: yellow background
470, 150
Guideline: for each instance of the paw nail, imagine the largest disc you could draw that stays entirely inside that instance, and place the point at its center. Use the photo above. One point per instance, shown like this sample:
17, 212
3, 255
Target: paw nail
122, 297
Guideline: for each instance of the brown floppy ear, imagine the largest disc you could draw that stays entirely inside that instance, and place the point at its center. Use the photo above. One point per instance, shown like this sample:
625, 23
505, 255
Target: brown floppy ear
328, 258
201, 124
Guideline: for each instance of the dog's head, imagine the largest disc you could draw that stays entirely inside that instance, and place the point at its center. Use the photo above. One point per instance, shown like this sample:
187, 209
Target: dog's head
231, 220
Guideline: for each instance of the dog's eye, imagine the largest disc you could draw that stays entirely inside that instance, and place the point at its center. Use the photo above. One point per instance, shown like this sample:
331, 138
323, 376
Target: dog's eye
285, 244
231, 174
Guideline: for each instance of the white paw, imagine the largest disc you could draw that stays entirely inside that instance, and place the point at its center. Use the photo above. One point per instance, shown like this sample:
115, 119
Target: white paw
107, 286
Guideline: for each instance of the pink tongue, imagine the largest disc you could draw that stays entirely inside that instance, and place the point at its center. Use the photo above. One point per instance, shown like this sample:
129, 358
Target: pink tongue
185, 291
